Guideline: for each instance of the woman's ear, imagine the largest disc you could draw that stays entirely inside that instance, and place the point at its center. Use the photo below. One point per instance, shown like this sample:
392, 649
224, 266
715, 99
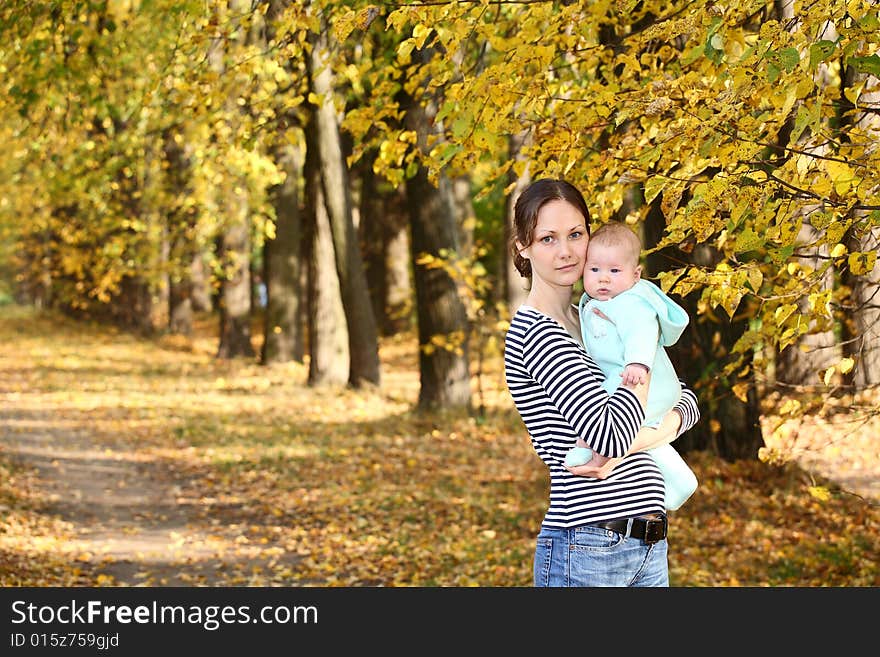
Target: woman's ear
522, 250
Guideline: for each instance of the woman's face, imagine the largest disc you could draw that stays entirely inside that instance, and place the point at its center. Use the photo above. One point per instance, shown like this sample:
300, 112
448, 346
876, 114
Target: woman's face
559, 245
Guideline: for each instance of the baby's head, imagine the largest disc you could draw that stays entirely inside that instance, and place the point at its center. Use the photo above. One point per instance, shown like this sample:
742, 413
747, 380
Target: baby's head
612, 261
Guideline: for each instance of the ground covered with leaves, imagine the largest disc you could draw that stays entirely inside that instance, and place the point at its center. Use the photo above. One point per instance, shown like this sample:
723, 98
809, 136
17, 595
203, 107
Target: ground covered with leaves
144, 462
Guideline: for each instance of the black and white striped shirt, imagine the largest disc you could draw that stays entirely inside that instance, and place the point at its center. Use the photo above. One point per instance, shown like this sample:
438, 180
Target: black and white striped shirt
557, 389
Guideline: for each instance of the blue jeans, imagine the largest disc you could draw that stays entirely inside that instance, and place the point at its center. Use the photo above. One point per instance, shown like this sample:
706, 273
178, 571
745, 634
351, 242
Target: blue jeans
594, 556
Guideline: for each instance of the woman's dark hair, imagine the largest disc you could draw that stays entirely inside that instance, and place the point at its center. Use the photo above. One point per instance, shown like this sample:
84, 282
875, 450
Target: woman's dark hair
525, 214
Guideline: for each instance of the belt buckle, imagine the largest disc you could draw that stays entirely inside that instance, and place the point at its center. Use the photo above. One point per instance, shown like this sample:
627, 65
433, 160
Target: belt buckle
655, 530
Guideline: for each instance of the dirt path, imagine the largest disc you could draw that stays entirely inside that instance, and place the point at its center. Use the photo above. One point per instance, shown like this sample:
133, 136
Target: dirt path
126, 516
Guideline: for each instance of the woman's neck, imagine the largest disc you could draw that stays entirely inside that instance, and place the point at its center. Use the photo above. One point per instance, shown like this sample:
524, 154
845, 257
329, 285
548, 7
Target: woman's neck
556, 304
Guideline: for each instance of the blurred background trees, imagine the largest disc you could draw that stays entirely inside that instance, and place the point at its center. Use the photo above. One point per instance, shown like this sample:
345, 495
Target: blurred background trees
356, 163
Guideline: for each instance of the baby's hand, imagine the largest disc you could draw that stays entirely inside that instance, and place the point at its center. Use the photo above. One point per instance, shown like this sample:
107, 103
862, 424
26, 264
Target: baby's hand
634, 374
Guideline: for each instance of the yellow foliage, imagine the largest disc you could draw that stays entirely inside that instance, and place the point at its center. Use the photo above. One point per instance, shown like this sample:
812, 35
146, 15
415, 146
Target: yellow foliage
820, 493
740, 390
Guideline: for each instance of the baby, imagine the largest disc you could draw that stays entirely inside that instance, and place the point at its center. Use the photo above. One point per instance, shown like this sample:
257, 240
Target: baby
625, 324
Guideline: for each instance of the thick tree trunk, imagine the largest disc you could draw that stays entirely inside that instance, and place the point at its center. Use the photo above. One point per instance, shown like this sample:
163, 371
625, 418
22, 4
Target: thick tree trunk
442, 320
384, 237
283, 333
799, 363
327, 331
371, 234
362, 333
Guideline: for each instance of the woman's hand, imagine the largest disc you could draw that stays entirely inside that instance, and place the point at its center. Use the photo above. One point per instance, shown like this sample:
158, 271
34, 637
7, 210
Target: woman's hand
598, 467
665, 433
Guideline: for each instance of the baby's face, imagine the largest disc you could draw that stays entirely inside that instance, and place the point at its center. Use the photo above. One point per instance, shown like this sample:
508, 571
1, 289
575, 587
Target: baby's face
609, 271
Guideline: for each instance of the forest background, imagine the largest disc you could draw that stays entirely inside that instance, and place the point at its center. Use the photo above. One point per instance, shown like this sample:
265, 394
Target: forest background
342, 173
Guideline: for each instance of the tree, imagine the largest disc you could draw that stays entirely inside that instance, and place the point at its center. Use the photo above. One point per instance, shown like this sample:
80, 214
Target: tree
384, 235
717, 112
362, 332
234, 243
329, 361
283, 272
443, 330
285, 254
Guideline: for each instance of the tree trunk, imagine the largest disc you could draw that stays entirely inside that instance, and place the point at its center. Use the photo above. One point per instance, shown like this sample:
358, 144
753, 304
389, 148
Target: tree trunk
235, 289
327, 331
466, 219
180, 224
799, 363
371, 234
442, 320
362, 333
202, 297
283, 333
384, 236
398, 279
235, 243
514, 286
861, 335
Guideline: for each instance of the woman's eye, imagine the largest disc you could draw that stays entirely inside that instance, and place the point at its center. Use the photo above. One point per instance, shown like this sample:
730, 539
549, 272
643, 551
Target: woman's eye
546, 239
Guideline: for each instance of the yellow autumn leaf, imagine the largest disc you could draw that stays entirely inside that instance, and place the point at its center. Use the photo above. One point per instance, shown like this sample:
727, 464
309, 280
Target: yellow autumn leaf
845, 365
343, 24
862, 263
420, 33
841, 176
828, 376
820, 493
783, 312
838, 250
741, 391
404, 50
822, 187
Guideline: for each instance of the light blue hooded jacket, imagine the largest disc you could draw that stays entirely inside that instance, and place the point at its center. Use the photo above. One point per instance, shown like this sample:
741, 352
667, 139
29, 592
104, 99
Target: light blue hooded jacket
644, 320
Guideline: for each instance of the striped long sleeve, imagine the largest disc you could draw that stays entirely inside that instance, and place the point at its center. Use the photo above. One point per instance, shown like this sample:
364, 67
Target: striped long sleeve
557, 389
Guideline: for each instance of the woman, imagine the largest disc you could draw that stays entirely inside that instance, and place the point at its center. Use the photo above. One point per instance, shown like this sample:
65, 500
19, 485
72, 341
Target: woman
606, 522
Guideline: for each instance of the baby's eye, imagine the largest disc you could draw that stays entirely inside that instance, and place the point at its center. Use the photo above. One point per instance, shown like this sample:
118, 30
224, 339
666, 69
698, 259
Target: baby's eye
614, 270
